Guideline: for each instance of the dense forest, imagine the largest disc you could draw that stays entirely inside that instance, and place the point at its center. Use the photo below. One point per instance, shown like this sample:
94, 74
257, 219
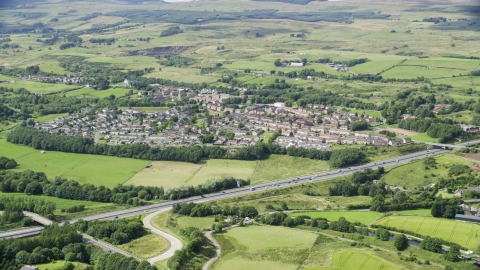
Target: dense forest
116, 232
62, 243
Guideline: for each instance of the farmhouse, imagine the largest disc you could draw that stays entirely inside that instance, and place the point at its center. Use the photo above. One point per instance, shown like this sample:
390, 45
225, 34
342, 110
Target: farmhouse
296, 64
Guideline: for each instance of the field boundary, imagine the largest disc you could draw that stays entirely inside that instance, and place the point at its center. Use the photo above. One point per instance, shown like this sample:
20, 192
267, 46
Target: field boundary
255, 170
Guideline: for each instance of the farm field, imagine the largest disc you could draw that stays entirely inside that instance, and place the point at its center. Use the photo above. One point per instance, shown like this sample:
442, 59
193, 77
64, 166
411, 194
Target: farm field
357, 260
264, 247
92, 169
275, 168
362, 217
410, 72
462, 233
170, 174
35, 86
147, 246
414, 174
423, 138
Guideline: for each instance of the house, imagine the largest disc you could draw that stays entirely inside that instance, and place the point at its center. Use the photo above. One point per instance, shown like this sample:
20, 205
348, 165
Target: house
279, 104
296, 64
473, 219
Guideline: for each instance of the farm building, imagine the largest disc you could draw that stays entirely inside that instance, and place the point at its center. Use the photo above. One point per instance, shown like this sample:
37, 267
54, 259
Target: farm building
467, 218
296, 64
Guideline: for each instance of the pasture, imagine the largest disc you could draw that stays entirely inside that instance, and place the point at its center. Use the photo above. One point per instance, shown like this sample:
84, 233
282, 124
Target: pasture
415, 175
170, 174
362, 217
463, 233
36, 86
357, 260
264, 247
91, 169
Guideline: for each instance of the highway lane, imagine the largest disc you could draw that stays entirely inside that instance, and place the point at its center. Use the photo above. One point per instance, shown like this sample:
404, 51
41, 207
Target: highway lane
255, 188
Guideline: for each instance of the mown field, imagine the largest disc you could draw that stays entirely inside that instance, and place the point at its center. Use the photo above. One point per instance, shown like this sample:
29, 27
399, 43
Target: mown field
357, 260
462, 233
264, 247
92, 169
414, 174
36, 86
60, 264
362, 217
170, 174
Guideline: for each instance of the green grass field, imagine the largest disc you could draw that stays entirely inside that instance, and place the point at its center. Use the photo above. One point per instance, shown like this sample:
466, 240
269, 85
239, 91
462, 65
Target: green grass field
462, 233
60, 203
35, 86
264, 247
414, 174
362, 217
170, 174
60, 264
423, 138
358, 260
275, 168
92, 169
147, 246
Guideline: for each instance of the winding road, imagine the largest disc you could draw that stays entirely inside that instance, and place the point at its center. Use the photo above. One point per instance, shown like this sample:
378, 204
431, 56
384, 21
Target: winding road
175, 243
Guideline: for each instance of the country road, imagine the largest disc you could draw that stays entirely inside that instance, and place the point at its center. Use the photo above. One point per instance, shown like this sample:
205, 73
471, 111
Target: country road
175, 243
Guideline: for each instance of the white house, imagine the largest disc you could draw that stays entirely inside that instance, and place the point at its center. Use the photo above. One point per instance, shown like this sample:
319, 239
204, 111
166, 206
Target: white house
279, 104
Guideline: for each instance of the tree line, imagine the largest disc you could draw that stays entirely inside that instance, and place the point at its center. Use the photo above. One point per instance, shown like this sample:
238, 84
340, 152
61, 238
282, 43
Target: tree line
13, 208
116, 232
36, 183
7, 163
209, 209
63, 243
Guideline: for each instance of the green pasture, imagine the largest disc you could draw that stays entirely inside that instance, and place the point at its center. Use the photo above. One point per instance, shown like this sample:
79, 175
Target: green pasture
365, 112
170, 174
36, 86
264, 247
60, 203
281, 166
358, 260
415, 212
463, 233
410, 72
462, 116
92, 169
460, 82
352, 216
441, 62
414, 174
423, 138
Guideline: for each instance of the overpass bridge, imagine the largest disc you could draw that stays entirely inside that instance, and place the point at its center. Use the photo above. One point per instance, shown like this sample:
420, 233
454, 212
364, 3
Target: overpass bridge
445, 146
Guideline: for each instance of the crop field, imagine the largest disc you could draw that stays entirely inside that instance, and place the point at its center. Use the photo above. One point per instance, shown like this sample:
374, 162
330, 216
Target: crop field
463, 233
92, 169
414, 174
170, 174
362, 217
264, 247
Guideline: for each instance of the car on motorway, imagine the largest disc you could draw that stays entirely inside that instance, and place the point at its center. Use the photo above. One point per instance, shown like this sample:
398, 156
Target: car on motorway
252, 189
203, 196
115, 217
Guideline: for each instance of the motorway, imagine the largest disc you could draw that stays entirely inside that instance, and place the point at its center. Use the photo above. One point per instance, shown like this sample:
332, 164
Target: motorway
239, 191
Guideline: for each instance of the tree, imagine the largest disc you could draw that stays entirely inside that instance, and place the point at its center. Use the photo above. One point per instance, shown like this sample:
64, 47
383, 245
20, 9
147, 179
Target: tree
453, 253
277, 62
33, 188
382, 234
284, 206
400, 241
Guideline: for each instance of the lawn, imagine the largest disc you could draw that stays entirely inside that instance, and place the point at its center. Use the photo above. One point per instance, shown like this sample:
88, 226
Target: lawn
423, 138
414, 174
362, 217
147, 246
463, 233
92, 169
170, 174
264, 247
275, 168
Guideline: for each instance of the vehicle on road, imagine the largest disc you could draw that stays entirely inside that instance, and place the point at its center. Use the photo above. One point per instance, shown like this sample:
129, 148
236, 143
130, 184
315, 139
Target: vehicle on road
252, 189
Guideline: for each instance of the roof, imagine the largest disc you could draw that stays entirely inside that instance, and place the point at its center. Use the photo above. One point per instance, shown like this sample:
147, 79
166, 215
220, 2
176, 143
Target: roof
473, 218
